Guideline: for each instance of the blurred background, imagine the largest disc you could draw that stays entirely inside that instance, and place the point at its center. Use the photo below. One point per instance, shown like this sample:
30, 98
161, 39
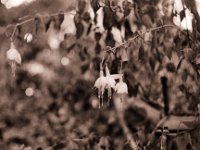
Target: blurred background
50, 99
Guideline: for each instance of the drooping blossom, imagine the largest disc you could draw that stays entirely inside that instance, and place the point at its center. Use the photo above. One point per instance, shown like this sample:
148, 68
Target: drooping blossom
100, 84
121, 87
13, 57
104, 83
110, 83
13, 54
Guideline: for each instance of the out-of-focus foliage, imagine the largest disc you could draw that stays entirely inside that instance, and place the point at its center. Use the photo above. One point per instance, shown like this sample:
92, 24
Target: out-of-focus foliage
51, 100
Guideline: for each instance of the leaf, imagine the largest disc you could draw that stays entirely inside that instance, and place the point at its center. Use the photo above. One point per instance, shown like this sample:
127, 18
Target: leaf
192, 124
59, 20
124, 55
171, 67
175, 13
152, 63
141, 53
98, 36
104, 143
108, 18
86, 16
79, 26
179, 64
147, 21
83, 54
184, 75
47, 22
133, 87
110, 41
81, 6
98, 48
39, 23
182, 14
9, 30
59, 146
197, 59
127, 7
18, 30
85, 66
95, 5
195, 137
189, 54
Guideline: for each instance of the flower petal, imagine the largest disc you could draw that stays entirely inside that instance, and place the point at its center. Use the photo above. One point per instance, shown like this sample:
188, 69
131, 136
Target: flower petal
121, 88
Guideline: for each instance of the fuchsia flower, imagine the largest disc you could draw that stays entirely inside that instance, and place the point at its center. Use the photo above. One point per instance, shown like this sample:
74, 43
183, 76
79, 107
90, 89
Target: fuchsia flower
110, 83
104, 83
13, 57
121, 87
13, 54
100, 84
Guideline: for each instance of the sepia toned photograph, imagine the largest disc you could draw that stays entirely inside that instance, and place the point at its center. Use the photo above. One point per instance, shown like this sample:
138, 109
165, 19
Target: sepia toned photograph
99, 74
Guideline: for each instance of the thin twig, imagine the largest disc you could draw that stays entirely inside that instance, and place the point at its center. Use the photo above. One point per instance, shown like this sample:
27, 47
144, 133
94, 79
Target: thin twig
156, 127
138, 35
120, 115
32, 19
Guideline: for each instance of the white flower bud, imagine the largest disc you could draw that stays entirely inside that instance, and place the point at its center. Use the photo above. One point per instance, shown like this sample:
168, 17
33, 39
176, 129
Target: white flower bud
13, 54
28, 37
121, 87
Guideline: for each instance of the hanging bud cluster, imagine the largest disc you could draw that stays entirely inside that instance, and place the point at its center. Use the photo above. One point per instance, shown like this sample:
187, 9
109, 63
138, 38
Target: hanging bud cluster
107, 83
